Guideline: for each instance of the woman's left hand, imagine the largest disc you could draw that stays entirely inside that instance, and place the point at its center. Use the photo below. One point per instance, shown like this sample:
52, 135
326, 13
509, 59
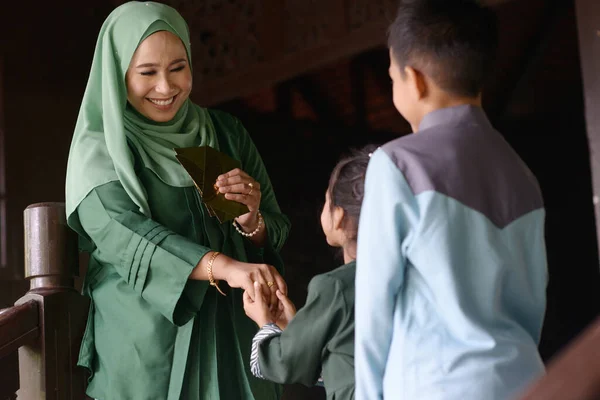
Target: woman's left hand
238, 186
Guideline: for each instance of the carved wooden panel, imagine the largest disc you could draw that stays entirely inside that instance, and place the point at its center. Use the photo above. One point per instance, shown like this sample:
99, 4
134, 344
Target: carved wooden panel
363, 12
223, 34
231, 38
239, 46
306, 24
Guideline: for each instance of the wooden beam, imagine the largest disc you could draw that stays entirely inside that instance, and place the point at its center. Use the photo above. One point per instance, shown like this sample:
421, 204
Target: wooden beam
262, 75
588, 23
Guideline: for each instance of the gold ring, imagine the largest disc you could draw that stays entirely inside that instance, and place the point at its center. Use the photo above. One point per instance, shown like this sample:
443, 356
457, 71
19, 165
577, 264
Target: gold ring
269, 284
251, 186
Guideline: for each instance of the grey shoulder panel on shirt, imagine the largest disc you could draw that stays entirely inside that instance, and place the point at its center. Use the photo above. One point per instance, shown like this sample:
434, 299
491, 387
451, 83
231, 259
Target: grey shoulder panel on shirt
470, 162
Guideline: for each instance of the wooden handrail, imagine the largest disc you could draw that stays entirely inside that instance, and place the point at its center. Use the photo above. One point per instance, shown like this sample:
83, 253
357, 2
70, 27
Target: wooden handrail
19, 326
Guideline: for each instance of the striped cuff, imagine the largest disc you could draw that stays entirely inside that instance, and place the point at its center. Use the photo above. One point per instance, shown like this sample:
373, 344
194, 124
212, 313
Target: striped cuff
267, 331
320, 381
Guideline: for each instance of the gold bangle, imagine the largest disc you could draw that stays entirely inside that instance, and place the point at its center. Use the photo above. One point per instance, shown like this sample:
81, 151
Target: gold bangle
211, 279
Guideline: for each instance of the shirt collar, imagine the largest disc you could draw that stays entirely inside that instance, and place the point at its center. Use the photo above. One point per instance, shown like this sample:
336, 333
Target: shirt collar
464, 113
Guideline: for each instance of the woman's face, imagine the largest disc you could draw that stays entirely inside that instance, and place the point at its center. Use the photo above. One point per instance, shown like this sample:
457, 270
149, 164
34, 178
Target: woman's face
159, 79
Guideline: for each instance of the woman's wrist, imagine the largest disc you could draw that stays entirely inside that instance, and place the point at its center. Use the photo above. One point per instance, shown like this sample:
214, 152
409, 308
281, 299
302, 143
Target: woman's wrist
249, 224
219, 267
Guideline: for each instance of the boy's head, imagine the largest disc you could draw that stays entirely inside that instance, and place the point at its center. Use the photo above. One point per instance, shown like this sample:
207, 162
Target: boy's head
440, 54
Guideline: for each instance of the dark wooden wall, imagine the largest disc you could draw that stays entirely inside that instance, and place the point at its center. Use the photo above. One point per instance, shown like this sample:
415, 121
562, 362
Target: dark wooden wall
303, 124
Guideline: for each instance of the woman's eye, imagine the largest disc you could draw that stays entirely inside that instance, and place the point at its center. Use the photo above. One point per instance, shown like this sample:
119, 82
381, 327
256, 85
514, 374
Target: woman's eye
178, 69
148, 73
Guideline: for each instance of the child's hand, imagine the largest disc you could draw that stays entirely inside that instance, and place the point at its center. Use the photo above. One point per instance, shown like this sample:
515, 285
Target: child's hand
285, 312
257, 310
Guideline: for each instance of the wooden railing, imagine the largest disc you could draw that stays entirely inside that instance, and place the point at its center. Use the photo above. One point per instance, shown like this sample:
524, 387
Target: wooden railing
40, 335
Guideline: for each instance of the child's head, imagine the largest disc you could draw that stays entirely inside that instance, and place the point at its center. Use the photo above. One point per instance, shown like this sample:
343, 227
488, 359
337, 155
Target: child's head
440, 54
343, 200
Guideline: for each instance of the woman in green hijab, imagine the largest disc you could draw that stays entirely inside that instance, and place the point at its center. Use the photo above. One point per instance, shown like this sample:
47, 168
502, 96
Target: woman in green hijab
158, 327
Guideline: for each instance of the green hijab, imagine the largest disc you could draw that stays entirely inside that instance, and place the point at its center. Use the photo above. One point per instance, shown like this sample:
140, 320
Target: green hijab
99, 151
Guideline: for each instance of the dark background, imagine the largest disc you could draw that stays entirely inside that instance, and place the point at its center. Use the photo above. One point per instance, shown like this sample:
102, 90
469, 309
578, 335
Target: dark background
302, 124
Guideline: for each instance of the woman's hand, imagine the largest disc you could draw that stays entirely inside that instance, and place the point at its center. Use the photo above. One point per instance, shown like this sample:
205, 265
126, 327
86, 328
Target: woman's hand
243, 275
257, 309
285, 312
238, 186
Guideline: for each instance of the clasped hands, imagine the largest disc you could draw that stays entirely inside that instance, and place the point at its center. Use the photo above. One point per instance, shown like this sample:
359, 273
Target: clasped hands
260, 311
265, 291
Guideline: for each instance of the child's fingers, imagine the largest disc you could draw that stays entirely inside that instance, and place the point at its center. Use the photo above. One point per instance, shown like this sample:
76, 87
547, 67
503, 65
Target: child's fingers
248, 303
284, 300
247, 298
281, 285
249, 289
258, 296
277, 313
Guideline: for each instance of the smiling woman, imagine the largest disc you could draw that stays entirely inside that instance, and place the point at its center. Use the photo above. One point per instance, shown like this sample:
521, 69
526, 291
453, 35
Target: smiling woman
159, 79
157, 254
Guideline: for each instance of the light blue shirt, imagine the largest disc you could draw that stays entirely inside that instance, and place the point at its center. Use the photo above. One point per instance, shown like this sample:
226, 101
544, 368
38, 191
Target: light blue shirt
451, 269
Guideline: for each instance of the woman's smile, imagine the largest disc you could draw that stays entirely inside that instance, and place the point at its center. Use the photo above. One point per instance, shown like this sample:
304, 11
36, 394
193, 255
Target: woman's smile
163, 104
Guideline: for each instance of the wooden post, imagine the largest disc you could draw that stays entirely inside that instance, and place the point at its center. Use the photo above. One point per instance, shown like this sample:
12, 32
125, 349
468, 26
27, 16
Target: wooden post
19, 326
588, 23
48, 368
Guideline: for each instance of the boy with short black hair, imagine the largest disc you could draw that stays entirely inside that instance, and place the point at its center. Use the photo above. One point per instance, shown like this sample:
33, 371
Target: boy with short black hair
451, 269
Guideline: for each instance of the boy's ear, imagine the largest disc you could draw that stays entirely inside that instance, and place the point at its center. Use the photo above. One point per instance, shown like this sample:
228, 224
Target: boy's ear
417, 81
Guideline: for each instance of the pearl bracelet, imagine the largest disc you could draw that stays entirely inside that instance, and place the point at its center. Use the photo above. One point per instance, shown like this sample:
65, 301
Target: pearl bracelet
254, 232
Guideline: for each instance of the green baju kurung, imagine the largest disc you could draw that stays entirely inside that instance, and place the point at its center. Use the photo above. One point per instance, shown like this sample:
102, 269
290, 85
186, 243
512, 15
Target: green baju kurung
152, 334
